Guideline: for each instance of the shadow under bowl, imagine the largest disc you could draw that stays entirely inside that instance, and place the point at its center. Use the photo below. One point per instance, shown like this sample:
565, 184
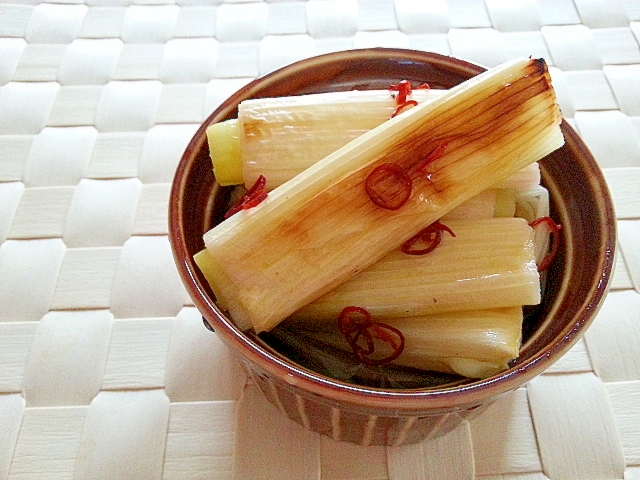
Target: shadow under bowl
576, 283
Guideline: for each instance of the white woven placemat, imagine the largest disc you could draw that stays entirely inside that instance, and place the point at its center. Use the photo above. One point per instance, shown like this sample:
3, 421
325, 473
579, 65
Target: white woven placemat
106, 371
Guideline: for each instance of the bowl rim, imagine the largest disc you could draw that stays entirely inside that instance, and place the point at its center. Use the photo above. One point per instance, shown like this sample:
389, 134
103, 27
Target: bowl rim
326, 389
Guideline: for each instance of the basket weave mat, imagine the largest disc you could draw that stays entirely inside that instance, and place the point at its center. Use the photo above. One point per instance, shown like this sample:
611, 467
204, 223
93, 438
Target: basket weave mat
105, 372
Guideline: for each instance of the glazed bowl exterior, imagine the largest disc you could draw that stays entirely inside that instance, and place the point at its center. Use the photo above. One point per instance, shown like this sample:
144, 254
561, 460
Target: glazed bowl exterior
576, 282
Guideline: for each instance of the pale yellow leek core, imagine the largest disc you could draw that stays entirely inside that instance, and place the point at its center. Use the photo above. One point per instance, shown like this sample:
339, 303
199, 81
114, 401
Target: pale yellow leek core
225, 148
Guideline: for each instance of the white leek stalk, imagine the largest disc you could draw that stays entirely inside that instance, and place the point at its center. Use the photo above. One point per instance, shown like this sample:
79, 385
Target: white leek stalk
280, 137
483, 205
475, 344
490, 263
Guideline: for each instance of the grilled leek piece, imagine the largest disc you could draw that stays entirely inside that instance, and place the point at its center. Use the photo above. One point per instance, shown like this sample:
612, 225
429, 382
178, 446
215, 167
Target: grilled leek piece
489, 264
280, 137
475, 344
320, 228
300, 129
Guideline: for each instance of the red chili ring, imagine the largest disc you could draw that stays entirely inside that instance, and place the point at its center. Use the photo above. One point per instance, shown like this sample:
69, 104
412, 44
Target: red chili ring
554, 229
403, 87
260, 184
388, 186
352, 318
254, 196
354, 341
396, 349
401, 107
356, 325
431, 236
255, 199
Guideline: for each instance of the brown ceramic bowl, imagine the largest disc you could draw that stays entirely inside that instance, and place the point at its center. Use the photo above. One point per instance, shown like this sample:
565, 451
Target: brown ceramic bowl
576, 285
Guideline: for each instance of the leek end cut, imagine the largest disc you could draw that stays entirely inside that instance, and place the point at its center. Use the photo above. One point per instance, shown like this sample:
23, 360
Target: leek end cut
226, 152
213, 274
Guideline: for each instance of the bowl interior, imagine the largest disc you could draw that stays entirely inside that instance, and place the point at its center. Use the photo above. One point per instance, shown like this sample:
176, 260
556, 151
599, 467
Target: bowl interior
579, 200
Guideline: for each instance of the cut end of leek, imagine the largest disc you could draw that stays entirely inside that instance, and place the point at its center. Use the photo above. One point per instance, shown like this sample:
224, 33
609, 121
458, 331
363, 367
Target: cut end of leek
212, 274
505, 203
226, 152
472, 368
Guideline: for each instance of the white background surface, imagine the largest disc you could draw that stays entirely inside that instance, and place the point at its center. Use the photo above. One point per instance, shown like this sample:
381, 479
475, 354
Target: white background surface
106, 371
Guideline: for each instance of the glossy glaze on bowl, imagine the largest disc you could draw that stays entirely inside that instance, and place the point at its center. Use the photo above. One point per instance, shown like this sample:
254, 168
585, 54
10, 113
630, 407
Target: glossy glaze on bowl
577, 281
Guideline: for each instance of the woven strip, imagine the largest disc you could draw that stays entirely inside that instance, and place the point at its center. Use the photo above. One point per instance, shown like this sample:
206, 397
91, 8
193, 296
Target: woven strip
106, 371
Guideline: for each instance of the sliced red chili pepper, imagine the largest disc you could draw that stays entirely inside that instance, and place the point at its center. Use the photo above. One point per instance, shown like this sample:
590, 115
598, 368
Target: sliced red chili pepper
388, 334
423, 86
554, 229
356, 325
254, 196
401, 107
432, 156
352, 318
233, 210
355, 341
404, 90
392, 336
389, 186
353, 322
402, 85
260, 184
548, 221
430, 237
